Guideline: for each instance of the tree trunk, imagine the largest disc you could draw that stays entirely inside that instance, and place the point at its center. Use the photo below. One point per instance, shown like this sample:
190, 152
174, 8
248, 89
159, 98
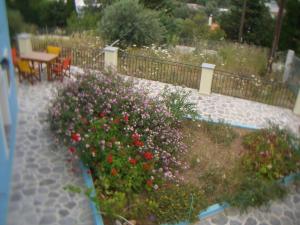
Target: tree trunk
277, 32
241, 31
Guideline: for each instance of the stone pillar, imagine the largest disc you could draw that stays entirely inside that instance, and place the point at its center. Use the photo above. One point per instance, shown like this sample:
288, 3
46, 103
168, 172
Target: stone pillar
206, 78
297, 105
24, 43
288, 65
111, 58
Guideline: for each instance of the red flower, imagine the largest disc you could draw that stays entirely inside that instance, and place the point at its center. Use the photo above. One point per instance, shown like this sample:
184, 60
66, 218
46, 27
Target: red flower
132, 161
126, 118
135, 137
149, 183
116, 121
109, 159
75, 137
72, 150
146, 166
114, 172
102, 114
148, 155
138, 143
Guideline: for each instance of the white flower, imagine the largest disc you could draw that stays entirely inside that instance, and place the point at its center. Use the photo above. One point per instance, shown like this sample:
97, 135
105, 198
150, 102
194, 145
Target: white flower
155, 186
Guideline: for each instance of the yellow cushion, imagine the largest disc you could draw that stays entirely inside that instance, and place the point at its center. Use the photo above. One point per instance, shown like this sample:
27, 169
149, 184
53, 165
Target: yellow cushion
53, 49
24, 66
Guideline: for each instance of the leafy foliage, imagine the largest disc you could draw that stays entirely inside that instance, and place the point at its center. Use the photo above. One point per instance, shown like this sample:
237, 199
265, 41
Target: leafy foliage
85, 22
173, 204
179, 104
220, 133
290, 34
254, 191
272, 153
130, 22
258, 27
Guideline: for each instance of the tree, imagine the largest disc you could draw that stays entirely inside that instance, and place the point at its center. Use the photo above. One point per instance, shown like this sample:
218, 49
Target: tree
241, 30
290, 35
131, 23
43, 12
276, 34
257, 28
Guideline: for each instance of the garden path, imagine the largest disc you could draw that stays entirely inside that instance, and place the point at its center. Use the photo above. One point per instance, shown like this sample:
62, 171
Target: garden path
40, 172
232, 110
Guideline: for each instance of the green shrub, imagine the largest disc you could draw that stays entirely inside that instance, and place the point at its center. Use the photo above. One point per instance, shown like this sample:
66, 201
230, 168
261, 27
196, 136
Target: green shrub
173, 203
254, 191
178, 103
219, 133
87, 21
131, 23
272, 153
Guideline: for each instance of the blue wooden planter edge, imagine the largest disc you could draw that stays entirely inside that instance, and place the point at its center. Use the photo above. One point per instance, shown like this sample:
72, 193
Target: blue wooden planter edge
90, 184
210, 211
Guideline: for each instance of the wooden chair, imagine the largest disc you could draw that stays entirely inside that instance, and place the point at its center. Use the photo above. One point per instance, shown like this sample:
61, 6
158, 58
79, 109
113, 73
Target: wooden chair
15, 57
27, 72
62, 68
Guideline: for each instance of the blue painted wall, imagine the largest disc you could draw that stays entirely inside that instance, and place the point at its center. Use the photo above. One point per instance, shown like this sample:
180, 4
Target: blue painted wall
6, 160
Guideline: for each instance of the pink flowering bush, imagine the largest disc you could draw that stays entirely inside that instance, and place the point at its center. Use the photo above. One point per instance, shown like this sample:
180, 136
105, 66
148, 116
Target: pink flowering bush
129, 142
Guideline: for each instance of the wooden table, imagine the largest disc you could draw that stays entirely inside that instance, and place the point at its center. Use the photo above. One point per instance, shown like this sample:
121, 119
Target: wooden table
41, 57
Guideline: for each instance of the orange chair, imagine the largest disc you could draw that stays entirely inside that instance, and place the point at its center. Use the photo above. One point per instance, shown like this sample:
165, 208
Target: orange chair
62, 69
15, 57
27, 72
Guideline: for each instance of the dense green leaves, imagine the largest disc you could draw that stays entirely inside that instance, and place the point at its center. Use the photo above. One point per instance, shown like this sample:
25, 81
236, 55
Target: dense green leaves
130, 22
258, 27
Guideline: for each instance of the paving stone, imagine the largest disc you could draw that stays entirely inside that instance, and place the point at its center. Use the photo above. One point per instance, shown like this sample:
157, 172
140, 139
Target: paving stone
296, 199
63, 212
47, 182
44, 170
70, 205
219, 219
234, 222
29, 191
48, 219
286, 221
16, 197
275, 221
250, 221
67, 221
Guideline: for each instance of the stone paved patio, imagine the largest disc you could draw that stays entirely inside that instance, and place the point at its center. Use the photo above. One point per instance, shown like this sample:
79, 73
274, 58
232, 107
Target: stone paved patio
40, 169
41, 172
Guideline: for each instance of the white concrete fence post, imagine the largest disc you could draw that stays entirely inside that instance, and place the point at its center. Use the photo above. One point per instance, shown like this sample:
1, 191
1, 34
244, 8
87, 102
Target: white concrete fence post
206, 78
24, 43
288, 65
297, 105
111, 58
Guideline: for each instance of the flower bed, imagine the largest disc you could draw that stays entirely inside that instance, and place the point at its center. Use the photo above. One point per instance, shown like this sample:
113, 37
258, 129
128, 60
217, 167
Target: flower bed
136, 151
